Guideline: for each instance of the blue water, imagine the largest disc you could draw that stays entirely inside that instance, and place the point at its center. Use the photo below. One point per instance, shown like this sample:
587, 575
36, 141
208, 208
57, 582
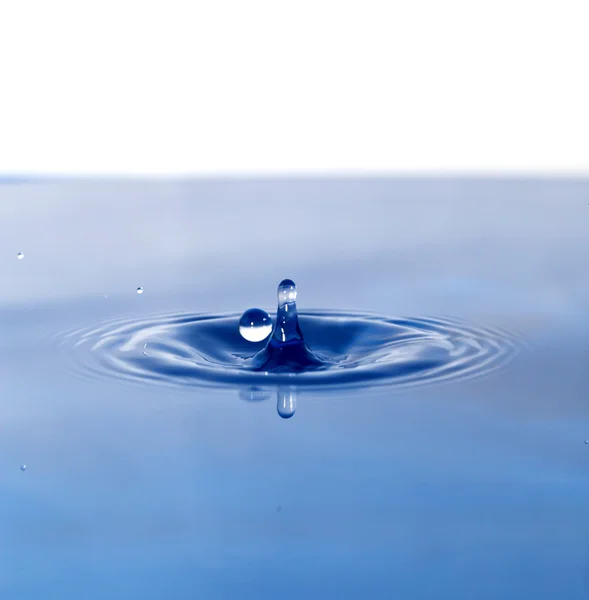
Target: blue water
157, 487
346, 349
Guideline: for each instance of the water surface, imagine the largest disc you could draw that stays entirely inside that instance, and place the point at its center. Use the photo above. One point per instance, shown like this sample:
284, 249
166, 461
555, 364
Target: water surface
467, 488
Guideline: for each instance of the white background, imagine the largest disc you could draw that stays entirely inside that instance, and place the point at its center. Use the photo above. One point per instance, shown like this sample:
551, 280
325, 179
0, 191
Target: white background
130, 87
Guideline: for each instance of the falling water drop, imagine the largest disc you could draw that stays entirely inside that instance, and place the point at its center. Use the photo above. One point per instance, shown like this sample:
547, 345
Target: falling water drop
286, 402
23, 467
586, 441
140, 290
255, 325
20, 256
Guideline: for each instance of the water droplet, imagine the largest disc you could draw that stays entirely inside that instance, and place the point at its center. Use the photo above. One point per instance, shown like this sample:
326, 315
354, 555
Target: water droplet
255, 325
279, 508
23, 467
140, 290
20, 256
587, 441
286, 403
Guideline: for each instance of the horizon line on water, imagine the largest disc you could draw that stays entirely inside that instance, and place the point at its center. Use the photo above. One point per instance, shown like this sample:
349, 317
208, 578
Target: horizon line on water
301, 174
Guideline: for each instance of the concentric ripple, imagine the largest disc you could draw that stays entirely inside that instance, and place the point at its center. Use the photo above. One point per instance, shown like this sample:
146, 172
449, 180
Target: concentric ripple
353, 349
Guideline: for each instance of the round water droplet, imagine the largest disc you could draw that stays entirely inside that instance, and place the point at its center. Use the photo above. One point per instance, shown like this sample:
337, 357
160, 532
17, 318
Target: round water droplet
23, 467
140, 290
587, 441
20, 256
255, 325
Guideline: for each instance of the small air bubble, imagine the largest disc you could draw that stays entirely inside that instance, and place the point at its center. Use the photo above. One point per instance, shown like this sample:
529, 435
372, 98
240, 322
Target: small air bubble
20, 256
23, 467
587, 441
140, 290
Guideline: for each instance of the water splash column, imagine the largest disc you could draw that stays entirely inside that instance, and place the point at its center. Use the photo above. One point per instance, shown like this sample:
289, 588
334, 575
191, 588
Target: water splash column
287, 327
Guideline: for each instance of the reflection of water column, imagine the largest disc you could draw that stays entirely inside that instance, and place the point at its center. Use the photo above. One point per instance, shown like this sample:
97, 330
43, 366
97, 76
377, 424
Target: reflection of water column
286, 399
253, 394
286, 402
